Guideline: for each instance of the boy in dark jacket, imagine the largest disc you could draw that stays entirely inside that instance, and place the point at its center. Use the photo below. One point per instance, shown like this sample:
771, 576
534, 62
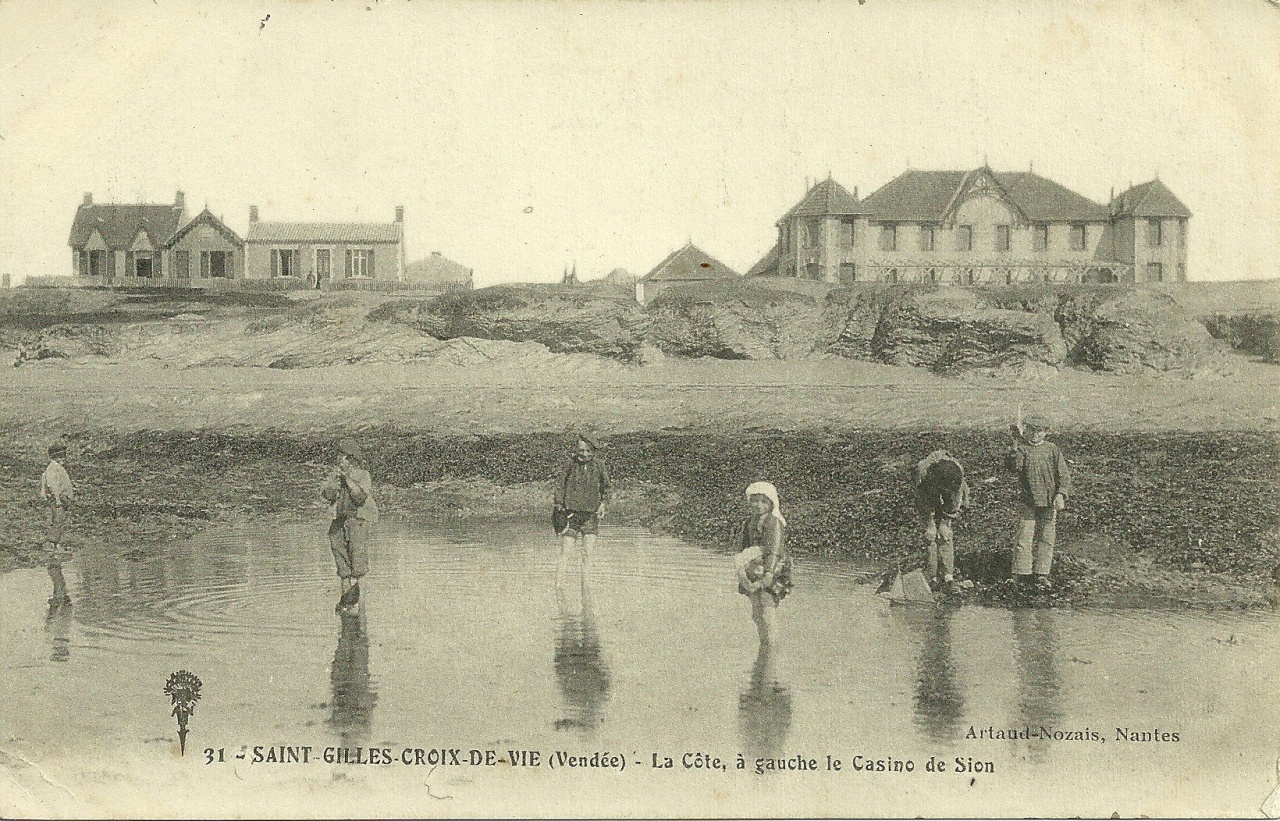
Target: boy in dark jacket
1044, 484
582, 489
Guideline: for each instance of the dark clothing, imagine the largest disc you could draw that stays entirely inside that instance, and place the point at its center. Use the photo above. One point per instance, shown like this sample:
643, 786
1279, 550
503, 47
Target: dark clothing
1042, 473
769, 535
583, 486
581, 522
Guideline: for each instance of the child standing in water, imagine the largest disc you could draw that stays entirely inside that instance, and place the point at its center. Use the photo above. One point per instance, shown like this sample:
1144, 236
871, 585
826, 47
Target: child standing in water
57, 492
1044, 483
349, 490
764, 566
581, 491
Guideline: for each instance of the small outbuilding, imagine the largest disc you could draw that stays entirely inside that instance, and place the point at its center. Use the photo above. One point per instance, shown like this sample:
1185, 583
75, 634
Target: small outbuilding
688, 266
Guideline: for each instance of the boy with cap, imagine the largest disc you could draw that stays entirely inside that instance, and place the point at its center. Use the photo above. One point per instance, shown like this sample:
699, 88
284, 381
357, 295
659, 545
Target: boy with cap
57, 492
1044, 484
581, 492
349, 490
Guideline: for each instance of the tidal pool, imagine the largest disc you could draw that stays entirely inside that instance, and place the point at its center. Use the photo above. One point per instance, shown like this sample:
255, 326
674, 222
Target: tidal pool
463, 643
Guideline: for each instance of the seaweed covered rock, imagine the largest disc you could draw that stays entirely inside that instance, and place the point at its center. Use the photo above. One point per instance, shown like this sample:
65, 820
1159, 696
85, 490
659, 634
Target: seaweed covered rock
1142, 329
565, 320
951, 330
736, 320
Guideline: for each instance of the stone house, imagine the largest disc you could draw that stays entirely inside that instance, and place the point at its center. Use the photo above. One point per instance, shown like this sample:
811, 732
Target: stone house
978, 227
688, 266
317, 253
115, 244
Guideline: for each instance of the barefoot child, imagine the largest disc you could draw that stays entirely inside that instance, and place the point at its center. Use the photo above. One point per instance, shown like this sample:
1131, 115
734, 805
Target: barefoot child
349, 489
57, 492
764, 566
941, 492
1044, 483
581, 492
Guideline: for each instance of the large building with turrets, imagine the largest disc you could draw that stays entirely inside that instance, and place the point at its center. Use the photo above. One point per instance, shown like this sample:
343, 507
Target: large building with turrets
980, 227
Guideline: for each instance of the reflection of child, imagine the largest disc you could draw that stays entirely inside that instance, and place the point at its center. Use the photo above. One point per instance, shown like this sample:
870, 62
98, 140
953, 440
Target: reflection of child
764, 566
1044, 483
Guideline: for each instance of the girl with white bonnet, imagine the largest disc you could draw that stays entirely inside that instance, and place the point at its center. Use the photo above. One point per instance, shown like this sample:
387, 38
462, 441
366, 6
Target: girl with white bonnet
764, 567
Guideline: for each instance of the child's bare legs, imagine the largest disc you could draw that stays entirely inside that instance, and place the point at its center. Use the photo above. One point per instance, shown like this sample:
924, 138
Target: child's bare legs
947, 550
931, 543
562, 568
764, 612
588, 548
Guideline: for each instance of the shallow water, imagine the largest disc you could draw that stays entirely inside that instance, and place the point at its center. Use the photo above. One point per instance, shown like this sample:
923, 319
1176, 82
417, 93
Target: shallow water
463, 642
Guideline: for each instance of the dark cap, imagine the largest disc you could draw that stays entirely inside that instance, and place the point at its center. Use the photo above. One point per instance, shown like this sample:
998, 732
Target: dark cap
1037, 421
350, 448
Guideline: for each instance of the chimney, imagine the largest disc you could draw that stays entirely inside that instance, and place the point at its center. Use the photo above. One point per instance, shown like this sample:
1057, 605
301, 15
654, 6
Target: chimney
399, 213
253, 213
180, 200
88, 198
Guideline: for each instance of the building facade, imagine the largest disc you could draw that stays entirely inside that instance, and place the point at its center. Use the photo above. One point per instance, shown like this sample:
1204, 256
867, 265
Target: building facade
203, 253
319, 253
979, 227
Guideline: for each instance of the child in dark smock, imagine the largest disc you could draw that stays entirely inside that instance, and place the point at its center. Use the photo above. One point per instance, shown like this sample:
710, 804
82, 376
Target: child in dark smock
764, 566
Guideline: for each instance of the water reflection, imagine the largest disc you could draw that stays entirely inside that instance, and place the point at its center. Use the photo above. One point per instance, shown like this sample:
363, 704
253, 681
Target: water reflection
581, 670
1035, 632
354, 695
939, 694
764, 709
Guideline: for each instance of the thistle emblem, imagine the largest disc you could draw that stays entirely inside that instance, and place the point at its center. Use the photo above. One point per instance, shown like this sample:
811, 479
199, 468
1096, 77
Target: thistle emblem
184, 688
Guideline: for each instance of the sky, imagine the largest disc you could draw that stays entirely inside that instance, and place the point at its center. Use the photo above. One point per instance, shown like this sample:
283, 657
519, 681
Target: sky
522, 137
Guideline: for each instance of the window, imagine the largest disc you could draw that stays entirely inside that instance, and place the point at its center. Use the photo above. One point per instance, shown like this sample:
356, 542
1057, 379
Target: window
1155, 272
889, 237
284, 262
1154, 239
926, 237
813, 271
1078, 238
143, 265
1040, 238
964, 238
812, 231
1002, 238
182, 264
847, 233
217, 264
848, 272
1182, 233
360, 263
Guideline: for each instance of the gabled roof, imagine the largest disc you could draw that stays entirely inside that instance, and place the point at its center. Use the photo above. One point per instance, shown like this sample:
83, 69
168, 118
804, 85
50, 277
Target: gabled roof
827, 198
119, 224
690, 263
205, 217
334, 232
767, 266
1149, 199
928, 196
